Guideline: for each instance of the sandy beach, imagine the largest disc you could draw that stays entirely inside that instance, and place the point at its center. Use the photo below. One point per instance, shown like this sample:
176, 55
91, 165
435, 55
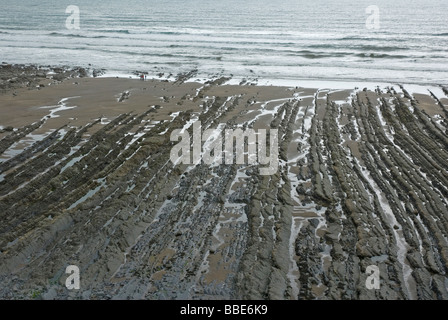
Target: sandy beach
86, 180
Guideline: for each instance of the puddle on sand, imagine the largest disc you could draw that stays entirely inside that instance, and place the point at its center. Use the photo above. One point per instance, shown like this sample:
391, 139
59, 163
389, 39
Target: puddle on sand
61, 106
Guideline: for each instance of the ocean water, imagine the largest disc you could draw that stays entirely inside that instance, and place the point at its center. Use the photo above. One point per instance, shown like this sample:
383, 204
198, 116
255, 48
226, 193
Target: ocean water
283, 40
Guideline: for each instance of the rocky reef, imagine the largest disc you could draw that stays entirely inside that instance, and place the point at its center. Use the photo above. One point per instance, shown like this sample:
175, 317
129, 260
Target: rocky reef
14, 76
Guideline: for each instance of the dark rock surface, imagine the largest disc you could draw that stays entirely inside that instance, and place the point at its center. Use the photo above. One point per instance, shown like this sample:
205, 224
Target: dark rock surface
14, 76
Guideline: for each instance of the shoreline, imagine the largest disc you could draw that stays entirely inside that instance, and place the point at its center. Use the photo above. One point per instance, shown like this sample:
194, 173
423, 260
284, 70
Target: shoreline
250, 79
34, 88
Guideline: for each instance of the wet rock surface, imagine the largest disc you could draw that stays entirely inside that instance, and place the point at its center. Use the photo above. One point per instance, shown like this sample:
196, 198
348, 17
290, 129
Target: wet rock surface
15, 76
362, 180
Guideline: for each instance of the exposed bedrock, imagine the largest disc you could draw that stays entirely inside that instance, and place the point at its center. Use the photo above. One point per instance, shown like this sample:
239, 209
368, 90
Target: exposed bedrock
362, 181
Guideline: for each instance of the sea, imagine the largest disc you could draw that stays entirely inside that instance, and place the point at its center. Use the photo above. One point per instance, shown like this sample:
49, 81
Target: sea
399, 41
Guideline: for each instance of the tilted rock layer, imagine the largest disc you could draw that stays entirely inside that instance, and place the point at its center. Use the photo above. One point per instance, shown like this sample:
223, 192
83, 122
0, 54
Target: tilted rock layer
362, 180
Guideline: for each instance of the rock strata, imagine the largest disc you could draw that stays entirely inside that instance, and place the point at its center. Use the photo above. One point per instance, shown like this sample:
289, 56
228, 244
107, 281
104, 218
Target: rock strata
362, 180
